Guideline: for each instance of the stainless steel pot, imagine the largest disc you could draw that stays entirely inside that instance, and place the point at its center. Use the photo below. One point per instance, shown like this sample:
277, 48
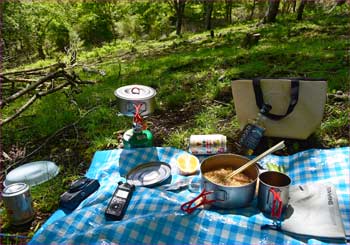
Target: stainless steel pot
131, 95
226, 197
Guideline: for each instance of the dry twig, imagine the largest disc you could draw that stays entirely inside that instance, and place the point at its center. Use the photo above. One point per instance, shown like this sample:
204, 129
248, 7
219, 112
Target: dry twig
56, 79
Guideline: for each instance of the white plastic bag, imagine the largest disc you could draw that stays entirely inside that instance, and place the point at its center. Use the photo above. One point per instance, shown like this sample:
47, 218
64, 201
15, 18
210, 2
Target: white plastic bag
314, 211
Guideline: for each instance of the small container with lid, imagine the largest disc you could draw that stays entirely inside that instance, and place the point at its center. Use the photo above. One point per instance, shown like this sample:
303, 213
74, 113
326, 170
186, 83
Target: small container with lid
131, 95
18, 203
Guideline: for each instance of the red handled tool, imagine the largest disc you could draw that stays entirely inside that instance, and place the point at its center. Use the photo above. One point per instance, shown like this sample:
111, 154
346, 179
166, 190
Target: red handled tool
201, 199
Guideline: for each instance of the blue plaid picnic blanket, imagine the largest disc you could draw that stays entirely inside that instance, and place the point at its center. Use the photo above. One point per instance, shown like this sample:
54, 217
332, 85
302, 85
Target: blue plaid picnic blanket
154, 215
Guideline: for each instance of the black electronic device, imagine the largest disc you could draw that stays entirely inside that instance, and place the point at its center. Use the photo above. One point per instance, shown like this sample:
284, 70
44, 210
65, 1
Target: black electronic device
77, 192
119, 202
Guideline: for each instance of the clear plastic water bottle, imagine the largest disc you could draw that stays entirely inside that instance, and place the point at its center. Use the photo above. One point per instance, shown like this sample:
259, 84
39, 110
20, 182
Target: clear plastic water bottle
253, 131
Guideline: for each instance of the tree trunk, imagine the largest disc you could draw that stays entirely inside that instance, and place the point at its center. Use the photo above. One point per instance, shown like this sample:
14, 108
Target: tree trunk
287, 5
294, 5
253, 9
261, 5
41, 38
337, 3
272, 11
340, 2
209, 5
2, 40
301, 10
180, 10
228, 12
2, 48
40, 44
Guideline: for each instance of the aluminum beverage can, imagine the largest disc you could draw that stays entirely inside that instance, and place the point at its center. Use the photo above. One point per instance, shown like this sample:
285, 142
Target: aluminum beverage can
208, 144
18, 203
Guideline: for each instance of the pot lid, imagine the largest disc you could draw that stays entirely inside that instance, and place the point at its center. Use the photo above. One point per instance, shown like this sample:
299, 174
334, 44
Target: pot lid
15, 188
149, 174
135, 92
32, 173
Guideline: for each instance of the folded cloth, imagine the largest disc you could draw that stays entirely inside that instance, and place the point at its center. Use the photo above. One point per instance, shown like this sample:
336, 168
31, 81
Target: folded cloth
314, 211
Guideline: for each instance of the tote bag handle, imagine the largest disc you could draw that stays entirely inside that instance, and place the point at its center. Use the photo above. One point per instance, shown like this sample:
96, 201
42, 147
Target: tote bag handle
259, 98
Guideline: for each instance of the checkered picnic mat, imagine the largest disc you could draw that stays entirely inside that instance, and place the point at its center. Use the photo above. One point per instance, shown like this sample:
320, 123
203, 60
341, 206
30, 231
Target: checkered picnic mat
154, 215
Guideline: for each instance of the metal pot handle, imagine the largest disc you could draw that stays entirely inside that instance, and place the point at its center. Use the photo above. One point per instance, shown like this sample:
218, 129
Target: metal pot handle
222, 197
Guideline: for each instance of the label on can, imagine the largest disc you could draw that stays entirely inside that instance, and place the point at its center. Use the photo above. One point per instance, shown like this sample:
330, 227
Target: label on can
208, 144
18, 203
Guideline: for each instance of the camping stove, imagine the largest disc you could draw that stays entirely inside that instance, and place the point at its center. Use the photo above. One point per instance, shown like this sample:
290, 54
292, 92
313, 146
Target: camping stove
136, 101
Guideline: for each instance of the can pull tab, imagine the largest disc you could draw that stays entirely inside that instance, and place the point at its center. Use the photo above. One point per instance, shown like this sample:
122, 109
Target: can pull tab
135, 90
200, 200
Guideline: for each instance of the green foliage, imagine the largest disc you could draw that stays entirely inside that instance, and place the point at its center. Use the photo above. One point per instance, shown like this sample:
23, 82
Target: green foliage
94, 29
175, 100
38, 29
51, 113
338, 120
58, 36
103, 121
152, 19
210, 120
178, 139
130, 27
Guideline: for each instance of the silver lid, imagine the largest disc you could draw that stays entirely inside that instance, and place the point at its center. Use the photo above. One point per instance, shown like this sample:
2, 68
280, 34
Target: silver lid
14, 189
135, 92
149, 174
33, 173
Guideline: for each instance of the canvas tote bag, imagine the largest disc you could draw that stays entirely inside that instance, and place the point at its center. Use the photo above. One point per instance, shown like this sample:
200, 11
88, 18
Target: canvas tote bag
297, 104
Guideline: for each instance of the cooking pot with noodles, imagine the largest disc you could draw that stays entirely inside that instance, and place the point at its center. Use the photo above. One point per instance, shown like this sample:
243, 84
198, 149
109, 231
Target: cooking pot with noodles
223, 192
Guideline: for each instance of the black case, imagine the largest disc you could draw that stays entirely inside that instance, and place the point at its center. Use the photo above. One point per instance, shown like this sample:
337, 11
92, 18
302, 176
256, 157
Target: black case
77, 192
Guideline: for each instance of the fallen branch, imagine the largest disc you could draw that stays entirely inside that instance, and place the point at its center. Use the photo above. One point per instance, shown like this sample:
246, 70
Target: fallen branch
19, 111
48, 84
56, 65
31, 101
20, 93
21, 80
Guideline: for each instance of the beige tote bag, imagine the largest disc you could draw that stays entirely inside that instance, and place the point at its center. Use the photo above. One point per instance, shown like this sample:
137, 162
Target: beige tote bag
297, 104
